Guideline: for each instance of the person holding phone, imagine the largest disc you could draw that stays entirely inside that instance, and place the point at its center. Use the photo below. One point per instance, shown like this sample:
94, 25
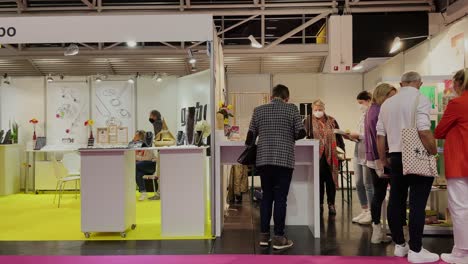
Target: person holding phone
379, 174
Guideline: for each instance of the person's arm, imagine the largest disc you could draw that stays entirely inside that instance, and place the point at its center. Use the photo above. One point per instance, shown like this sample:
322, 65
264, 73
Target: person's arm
449, 119
299, 130
382, 140
339, 138
423, 124
382, 149
253, 130
157, 125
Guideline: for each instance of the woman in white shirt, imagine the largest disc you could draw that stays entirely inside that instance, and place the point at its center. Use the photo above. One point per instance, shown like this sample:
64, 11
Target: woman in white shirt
364, 187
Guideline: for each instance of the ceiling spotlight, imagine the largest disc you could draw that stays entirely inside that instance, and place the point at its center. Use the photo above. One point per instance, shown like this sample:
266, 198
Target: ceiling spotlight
131, 81
71, 50
397, 43
6, 79
131, 43
49, 78
192, 60
358, 67
254, 43
157, 77
98, 78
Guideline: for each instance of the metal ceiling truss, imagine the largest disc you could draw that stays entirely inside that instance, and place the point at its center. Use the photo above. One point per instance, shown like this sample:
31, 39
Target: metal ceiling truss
303, 21
216, 7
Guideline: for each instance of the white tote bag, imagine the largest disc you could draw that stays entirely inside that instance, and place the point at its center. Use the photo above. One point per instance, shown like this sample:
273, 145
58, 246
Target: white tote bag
416, 159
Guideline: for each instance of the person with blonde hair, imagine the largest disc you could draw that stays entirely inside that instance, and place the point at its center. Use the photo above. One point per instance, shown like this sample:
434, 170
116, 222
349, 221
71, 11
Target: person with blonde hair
453, 127
380, 181
321, 127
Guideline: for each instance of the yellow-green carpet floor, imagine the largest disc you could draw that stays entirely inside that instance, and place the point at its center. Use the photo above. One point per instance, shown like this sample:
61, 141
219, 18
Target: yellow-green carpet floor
29, 217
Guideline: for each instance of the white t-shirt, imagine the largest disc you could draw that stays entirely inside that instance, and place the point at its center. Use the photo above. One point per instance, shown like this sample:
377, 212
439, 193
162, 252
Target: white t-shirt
396, 114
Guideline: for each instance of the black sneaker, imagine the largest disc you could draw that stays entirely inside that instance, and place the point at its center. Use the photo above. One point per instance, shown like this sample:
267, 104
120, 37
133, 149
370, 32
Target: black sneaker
331, 209
265, 239
281, 242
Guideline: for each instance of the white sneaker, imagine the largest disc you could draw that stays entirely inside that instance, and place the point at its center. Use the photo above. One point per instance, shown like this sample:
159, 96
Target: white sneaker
142, 197
455, 258
401, 250
359, 217
366, 219
422, 256
378, 236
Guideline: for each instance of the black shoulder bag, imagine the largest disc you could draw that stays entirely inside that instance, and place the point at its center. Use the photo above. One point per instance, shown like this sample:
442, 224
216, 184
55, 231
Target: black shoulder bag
249, 155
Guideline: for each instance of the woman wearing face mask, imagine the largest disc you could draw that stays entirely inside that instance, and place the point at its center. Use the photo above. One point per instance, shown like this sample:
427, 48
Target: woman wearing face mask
364, 187
321, 127
380, 181
453, 127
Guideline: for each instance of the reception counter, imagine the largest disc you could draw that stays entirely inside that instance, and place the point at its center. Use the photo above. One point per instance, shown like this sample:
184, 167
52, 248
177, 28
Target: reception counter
303, 199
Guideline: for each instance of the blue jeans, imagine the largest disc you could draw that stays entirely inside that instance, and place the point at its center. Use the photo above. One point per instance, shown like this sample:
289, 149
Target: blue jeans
275, 186
145, 167
364, 185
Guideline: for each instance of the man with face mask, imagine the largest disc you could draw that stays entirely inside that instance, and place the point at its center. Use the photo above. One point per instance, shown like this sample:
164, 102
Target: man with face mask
156, 120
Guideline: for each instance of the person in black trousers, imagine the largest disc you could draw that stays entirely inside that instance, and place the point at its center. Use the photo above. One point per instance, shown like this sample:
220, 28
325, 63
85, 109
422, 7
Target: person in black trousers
277, 126
321, 127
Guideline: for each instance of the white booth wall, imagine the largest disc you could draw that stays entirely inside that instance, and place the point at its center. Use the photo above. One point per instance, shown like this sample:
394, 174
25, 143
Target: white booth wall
337, 91
26, 98
440, 55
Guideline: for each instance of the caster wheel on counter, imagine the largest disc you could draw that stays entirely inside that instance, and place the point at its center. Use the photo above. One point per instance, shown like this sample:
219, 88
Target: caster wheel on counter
133, 226
87, 235
123, 235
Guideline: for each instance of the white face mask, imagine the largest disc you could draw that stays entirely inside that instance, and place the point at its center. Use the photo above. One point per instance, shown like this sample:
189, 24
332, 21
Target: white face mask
363, 108
318, 114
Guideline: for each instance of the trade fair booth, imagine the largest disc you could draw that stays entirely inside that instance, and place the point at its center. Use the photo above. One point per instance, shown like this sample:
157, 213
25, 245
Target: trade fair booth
66, 169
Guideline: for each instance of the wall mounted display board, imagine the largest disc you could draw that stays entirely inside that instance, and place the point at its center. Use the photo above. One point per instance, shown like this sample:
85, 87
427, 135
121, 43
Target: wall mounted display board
113, 105
67, 110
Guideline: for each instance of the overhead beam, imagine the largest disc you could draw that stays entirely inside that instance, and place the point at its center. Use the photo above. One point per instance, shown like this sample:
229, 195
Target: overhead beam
113, 45
21, 5
88, 4
298, 29
237, 24
87, 46
169, 45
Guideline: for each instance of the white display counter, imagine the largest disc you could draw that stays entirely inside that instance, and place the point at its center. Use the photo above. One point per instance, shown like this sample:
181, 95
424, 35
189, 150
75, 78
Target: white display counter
108, 199
108, 202
9, 169
183, 191
303, 199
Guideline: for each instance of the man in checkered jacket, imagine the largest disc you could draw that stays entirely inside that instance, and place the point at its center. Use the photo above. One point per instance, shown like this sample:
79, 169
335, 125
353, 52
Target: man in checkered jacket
277, 125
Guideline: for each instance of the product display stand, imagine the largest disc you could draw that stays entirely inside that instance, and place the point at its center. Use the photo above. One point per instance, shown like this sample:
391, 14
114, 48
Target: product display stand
183, 191
9, 169
303, 199
108, 201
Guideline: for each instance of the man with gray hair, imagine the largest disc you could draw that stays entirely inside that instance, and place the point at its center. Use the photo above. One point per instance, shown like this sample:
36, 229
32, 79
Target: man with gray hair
396, 114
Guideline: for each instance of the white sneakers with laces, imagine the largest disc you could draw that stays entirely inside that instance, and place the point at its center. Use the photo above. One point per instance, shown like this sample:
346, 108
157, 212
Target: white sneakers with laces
423, 256
143, 196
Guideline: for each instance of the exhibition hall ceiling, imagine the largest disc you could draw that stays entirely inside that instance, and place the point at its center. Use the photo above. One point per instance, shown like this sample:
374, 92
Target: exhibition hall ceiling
170, 66
376, 23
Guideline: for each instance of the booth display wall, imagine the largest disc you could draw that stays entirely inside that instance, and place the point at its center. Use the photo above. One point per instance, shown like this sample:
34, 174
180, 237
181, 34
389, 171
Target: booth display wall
67, 110
160, 96
33, 97
443, 54
338, 91
194, 90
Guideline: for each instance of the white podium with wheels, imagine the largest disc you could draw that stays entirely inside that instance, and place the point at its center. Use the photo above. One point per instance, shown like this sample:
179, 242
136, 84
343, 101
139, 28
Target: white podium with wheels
108, 201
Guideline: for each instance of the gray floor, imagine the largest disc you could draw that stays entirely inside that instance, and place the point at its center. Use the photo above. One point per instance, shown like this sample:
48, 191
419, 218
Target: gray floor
339, 237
